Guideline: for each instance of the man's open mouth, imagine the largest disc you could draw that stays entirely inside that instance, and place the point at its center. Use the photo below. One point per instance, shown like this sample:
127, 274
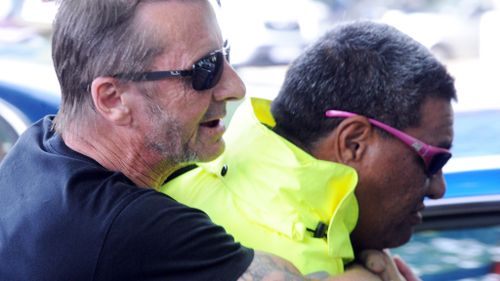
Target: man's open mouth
211, 124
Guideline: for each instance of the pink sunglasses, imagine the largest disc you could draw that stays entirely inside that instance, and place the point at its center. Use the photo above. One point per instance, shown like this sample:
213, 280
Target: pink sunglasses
434, 157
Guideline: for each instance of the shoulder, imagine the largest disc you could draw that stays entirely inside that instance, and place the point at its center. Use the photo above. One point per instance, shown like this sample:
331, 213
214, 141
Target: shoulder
155, 234
141, 208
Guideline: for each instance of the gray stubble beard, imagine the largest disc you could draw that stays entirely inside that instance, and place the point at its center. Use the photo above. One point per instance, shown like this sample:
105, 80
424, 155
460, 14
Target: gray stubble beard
169, 144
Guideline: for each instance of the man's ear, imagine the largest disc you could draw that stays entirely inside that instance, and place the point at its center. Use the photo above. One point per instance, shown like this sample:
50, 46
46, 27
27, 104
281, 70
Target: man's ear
353, 137
109, 100
346, 144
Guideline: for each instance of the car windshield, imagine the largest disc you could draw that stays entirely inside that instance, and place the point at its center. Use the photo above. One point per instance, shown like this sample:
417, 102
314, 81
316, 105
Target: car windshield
474, 140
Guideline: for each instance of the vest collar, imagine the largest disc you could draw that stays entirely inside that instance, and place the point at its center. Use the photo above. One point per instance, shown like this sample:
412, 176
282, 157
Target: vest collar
304, 190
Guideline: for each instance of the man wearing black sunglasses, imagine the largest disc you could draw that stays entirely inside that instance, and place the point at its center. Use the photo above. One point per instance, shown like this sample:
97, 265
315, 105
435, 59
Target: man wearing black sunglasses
342, 159
144, 87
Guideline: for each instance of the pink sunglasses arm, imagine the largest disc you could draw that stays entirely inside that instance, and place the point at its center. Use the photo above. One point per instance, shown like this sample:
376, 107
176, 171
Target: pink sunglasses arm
424, 150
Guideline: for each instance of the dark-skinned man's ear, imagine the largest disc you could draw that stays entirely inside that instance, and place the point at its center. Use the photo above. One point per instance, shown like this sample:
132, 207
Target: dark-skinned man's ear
352, 137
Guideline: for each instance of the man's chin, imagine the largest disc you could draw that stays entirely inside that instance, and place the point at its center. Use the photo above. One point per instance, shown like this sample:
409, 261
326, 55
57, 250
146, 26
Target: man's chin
393, 240
401, 239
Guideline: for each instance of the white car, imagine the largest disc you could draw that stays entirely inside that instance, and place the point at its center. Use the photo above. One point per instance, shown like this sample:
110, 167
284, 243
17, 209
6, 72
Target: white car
446, 35
449, 28
263, 32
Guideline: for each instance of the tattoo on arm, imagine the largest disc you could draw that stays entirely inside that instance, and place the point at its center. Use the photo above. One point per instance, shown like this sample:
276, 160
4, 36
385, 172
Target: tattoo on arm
269, 267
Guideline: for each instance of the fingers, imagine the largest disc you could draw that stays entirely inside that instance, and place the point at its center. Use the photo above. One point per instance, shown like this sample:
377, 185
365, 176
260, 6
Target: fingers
381, 263
356, 272
373, 260
405, 270
392, 271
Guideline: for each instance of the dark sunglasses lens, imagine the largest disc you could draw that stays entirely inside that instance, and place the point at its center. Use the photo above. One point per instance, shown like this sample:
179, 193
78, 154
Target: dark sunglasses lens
207, 71
437, 163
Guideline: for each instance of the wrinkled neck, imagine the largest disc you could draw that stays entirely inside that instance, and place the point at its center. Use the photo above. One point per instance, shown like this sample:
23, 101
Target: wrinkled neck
122, 154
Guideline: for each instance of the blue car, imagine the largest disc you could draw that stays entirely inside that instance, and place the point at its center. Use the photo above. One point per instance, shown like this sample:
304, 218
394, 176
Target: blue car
19, 108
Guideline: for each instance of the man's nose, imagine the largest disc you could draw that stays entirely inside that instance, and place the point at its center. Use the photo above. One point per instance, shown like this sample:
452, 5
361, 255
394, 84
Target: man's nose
437, 186
230, 86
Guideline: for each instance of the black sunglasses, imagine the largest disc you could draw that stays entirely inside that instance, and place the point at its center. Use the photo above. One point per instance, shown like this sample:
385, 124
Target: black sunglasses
205, 72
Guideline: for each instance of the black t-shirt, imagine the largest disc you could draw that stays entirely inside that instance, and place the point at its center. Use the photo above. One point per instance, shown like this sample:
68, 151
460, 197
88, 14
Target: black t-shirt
65, 217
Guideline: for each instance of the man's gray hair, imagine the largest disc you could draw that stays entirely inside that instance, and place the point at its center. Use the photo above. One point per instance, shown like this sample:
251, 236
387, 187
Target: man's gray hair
93, 38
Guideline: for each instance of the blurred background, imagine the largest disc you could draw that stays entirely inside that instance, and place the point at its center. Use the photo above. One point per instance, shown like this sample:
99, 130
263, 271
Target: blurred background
460, 238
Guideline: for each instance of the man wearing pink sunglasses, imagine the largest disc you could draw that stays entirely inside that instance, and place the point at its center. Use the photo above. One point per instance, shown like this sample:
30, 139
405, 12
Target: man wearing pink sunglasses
342, 160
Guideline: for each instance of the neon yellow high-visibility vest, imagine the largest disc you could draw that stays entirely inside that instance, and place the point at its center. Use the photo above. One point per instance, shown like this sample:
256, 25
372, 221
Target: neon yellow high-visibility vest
271, 195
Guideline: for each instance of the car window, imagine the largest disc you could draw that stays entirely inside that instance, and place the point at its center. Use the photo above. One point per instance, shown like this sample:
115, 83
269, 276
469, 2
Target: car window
454, 254
476, 132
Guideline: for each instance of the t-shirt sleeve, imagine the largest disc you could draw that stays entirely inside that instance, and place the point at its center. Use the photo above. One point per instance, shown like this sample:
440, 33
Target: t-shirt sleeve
157, 238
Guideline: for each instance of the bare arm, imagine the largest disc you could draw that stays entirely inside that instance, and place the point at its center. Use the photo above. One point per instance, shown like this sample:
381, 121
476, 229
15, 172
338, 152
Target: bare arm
268, 267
